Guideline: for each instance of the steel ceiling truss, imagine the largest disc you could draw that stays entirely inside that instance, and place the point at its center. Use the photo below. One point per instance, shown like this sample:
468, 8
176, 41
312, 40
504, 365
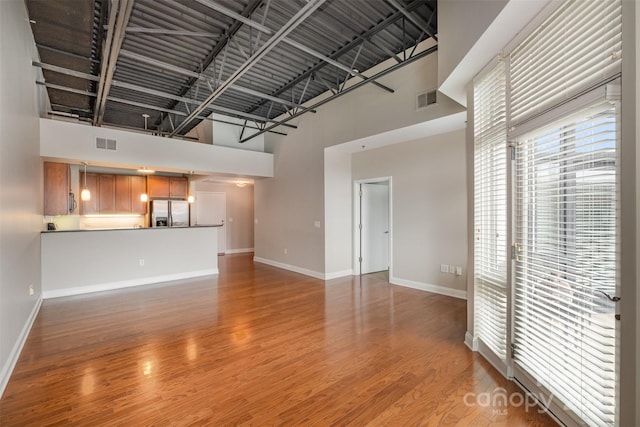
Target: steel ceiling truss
137, 71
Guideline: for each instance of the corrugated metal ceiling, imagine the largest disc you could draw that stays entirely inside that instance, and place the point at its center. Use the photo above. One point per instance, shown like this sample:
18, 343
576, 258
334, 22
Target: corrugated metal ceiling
175, 53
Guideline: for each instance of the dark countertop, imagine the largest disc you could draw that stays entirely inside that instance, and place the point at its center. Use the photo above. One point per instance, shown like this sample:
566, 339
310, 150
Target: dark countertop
131, 228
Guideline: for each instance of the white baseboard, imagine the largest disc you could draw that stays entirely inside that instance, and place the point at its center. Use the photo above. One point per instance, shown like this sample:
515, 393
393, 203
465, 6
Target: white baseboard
8, 367
338, 274
456, 293
289, 267
238, 251
56, 293
471, 341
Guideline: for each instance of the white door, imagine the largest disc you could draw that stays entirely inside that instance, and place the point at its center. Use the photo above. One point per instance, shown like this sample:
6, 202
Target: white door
374, 210
211, 209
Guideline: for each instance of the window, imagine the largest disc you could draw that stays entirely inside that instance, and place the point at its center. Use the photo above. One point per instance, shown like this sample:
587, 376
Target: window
490, 211
551, 97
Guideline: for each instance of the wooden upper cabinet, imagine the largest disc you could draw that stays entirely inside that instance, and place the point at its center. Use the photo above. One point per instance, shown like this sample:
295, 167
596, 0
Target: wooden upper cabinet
56, 188
158, 187
107, 194
178, 187
90, 206
165, 187
123, 193
138, 186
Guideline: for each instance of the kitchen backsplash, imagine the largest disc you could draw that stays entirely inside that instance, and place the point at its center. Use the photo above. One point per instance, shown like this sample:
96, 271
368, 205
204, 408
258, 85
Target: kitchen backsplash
80, 222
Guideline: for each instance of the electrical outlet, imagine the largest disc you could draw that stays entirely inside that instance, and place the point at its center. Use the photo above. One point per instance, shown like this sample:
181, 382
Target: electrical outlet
285, 251
141, 262
444, 268
31, 291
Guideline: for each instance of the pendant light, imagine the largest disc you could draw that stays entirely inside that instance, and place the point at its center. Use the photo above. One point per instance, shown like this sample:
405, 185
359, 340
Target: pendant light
85, 195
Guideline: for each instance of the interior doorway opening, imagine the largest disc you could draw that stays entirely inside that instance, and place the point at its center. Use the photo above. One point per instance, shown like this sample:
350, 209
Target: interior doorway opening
372, 226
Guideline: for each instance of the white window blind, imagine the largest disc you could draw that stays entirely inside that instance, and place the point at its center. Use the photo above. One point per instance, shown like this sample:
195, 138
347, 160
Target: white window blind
575, 49
566, 228
490, 210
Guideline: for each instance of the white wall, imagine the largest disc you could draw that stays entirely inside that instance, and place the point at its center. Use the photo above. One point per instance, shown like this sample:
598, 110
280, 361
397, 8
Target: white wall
227, 135
20, 184
338, 213
471, 32
72, 142
429, 208
239, 222
75, 262
288, 205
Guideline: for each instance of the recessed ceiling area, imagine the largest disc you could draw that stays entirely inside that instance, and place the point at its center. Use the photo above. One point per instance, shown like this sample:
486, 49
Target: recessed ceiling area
178, 61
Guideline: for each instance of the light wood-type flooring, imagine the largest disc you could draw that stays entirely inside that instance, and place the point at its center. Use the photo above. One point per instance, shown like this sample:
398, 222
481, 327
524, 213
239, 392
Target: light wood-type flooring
257, 346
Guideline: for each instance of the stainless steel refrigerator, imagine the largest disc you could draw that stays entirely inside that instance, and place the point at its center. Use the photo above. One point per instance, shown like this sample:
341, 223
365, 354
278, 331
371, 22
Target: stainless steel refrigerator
169, 213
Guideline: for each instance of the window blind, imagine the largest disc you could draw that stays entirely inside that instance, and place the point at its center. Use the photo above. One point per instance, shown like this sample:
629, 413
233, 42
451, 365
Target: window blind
575, 49
566, 228
490, 210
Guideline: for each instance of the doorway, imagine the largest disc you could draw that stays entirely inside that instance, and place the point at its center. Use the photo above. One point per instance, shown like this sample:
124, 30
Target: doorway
372, 225
211, 209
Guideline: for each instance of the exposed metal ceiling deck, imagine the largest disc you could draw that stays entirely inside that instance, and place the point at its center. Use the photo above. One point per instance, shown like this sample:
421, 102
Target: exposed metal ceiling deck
180, 60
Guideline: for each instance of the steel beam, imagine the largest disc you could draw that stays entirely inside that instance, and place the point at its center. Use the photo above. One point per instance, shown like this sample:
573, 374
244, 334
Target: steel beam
233, 29
200, 76
333, 62
347, 90
293, 43
65, 71
154, 92
118, 19
360, 39
162, 31
412, 19
294, 22
145, 106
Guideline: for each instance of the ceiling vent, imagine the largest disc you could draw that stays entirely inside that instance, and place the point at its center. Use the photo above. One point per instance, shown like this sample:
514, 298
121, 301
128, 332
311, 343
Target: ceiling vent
106, 144
425, 99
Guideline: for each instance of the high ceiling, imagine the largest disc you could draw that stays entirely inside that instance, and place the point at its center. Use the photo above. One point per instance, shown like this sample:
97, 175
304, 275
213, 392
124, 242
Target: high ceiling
178, 61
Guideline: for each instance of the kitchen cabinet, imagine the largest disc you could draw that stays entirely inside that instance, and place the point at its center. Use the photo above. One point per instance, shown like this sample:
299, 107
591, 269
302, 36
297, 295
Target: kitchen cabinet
158, 187
90, 206
56, 188
113, 194
178, 187
138, 186
123, 193
107, 194
167, 187
128, 191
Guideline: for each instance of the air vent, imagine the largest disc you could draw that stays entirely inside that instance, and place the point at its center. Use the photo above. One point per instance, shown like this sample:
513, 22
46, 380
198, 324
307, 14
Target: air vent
106, 144
425, 99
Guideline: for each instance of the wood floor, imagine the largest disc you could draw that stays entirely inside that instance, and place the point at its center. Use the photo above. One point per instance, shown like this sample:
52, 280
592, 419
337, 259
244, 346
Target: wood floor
256, 346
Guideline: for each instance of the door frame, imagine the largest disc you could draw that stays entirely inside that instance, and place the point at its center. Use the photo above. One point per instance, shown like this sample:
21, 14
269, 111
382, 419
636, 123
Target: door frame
356, 221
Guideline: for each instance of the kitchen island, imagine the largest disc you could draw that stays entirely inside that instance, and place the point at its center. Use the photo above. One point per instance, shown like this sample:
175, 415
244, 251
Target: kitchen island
82, 261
